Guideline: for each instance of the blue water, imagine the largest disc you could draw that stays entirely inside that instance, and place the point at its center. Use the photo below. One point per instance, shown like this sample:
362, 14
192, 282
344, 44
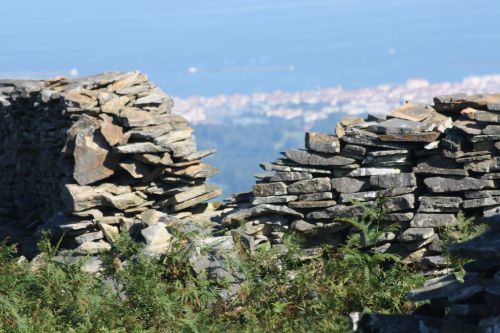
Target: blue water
348, 42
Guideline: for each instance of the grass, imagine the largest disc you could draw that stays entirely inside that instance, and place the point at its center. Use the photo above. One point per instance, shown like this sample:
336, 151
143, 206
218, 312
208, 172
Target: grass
281, 291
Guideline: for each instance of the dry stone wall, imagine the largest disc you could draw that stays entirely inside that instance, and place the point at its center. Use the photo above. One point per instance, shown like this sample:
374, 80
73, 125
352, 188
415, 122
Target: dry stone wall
422, 163
88, 157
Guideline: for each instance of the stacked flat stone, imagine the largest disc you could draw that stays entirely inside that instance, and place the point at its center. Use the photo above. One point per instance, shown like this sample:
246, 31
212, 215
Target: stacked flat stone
89, 156
471, 304
424, 163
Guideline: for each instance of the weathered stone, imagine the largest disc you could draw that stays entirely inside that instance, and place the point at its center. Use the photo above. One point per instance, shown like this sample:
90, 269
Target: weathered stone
310, 186
269, 189
135, 168
259, 210
173, 136
349, 185
397, 126
336, 212
412, 112
363, 172
402, 202
322, 142
89, 237
469, 127
305, 158
491, 130
353, 151
486, 245
439, 204
111, 132
290, 176
372, 195
110, 232
158, 240
393, 180
316, 196
433, 220
93, 161
311, 204
195, 201
414, 234
273, 199
398, 217
303, 227
417, 137
457, 102
442, 184
93, 247
141, 148
482, 202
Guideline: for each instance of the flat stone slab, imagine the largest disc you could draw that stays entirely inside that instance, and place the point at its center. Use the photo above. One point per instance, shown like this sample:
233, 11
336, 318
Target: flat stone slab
269, 189
481, 194
322, 142
486, 245
349, 185
422, 220
399, 203
310, 186
372, 195
316, 196
312, 204
491, 130
482, 202
411, 111
439, 204
336, 212
443, 185
305, 158
415, 234
417, 137
393, 180
259, 210
277, 199
363, 172
290, 176
354, 151
398, 126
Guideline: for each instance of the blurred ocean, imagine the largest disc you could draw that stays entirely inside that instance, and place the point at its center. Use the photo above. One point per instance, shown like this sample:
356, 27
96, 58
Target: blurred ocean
233, 46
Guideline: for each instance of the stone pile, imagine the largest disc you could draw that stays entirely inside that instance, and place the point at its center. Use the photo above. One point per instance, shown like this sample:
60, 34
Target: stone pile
88, 157
470, 304
422, 164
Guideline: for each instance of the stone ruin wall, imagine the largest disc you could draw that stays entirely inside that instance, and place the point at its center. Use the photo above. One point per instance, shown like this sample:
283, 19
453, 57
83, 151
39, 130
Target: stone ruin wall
426, 163
88, 157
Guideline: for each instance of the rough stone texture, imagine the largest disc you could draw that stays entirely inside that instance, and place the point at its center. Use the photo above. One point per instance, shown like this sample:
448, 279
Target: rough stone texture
86, 156
422, 166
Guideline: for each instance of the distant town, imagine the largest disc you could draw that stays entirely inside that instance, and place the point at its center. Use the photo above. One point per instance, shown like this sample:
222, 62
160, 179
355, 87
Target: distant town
316, 105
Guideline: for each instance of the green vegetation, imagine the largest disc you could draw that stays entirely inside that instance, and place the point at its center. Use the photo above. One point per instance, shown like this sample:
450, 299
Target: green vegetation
282, 291
164, 295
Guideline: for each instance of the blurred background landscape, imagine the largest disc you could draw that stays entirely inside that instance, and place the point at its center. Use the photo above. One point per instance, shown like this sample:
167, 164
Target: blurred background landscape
251, 76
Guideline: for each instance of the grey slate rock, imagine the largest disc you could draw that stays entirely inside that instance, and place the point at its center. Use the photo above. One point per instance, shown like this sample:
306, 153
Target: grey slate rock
349, 185
421, 220
273, 199
310, 186
372, 195
269, 189
305, 158
414, 234
443, 185
322, 142
290, 176
436, 204
398, 126
393, 180
316, 196
486, 245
